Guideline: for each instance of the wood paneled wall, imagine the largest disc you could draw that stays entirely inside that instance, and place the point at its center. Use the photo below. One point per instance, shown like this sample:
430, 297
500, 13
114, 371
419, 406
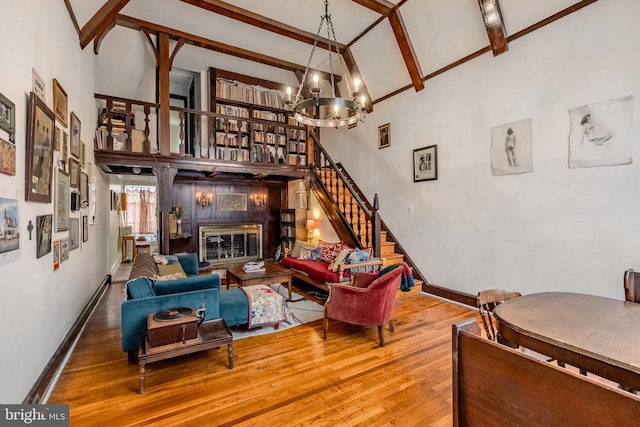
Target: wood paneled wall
184, 193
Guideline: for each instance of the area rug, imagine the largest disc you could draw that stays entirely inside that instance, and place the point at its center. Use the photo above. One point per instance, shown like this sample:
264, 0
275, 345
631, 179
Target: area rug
302, 311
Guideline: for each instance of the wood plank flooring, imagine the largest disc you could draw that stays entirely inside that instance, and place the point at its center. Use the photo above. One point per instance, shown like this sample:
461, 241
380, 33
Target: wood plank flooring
289, 378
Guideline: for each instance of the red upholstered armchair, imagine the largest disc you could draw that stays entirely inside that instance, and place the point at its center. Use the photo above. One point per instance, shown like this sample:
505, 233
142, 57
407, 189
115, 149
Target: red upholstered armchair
367, 301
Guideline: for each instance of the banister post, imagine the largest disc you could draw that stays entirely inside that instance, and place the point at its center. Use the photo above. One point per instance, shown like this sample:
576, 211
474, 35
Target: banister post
375, 224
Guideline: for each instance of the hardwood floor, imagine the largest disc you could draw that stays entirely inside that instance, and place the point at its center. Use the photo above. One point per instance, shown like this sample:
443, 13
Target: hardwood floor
288, 378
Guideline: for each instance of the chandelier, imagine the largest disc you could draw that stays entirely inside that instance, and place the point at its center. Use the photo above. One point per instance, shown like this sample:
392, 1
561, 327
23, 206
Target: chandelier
341, 111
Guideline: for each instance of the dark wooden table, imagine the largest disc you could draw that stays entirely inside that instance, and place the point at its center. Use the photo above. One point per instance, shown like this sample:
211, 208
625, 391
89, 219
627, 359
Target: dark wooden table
211, 334
273, 274
597, 334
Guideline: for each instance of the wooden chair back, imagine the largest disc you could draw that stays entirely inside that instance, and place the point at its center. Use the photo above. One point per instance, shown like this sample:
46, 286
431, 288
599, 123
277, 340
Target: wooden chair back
487, 300
632, 286
494, 385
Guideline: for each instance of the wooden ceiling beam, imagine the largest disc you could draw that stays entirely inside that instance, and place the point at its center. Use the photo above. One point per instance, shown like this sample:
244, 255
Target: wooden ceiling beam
192, 39
243, 15
351, 65
406, 48
383, 7
101, 21
495, 25
97, 41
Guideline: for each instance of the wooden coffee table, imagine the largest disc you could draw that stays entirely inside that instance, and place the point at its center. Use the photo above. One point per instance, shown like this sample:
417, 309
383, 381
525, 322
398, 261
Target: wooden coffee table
211, 334
273, 274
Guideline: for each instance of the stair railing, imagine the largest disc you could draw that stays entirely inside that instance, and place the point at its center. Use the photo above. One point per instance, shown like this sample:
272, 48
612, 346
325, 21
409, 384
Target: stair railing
362, 223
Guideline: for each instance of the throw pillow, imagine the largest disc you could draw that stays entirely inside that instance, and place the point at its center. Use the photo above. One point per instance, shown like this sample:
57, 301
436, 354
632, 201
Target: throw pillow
179, 275
160, 259
329, 251
189, 263
358, 255
305, 253
297, 246
339, 259
165, 270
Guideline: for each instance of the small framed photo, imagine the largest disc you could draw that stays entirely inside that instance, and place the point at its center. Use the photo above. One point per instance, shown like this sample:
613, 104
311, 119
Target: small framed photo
74, 233
425, 163
63, 201
44, 228
85, 228
74, 145
7, 115
56, 255
38, 86
74, 173
60, 103
384, 136
39, 152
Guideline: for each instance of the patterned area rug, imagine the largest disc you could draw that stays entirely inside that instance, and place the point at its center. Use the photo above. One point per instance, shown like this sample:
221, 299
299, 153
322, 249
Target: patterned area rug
302, 311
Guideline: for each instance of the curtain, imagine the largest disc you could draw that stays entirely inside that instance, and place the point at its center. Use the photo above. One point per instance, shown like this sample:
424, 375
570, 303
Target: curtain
141, 209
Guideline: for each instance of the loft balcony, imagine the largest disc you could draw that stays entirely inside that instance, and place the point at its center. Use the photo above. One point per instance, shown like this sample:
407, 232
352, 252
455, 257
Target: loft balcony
134, 137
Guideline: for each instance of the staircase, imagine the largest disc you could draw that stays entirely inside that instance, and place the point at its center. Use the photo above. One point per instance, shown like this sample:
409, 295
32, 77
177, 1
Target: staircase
355, 220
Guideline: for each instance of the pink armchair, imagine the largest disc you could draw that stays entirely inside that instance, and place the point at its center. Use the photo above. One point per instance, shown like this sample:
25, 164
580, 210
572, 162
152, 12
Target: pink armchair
367, 301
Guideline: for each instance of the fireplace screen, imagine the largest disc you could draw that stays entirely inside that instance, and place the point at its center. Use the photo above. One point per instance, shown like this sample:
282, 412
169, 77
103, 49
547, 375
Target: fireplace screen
230, 244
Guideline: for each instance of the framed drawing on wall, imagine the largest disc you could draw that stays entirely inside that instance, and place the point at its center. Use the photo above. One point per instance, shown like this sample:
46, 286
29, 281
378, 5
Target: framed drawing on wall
74, 146
84, 190
39, 153
63, 201
231, 202
425, 163
60, 103
7, 115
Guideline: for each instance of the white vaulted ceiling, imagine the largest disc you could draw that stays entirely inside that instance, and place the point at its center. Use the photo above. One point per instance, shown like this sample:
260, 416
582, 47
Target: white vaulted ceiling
440, 33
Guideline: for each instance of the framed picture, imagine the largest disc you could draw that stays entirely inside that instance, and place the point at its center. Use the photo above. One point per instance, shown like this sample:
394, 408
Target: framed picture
64, 150
74, 233
82, 155
231, 202
85, 228
38, 86
7, 157
56, 255
60, 103
84, 190
43, 234
7, 115
384, 136
63, 201
39, 153
64, 249
74, 173
11, 227
425, 163
74, 146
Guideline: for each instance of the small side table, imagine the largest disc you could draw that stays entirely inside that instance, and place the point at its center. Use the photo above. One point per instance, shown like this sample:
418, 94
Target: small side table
211, 334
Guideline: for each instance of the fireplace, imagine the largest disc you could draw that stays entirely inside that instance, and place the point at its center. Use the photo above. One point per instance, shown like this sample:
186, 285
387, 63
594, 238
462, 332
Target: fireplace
228, 244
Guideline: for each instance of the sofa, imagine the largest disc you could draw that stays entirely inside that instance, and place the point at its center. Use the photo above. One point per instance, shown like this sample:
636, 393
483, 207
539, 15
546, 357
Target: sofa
328, 262
150, 291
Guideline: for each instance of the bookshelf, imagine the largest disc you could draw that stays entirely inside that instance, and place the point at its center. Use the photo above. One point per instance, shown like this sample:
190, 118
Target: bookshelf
255, 126
287, 229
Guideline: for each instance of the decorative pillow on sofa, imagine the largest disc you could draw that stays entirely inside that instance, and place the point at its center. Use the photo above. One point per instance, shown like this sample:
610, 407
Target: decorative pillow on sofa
304, 252
295, 252
342, 256
329, 251
173, 276
165, 270
190, 263
359, 255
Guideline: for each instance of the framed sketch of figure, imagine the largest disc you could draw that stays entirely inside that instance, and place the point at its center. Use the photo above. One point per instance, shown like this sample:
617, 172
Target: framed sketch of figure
384, 136
44, 227
74, 145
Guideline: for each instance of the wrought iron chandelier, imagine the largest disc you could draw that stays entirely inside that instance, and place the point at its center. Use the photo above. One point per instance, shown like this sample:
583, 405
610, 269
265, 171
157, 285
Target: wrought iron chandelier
341, 111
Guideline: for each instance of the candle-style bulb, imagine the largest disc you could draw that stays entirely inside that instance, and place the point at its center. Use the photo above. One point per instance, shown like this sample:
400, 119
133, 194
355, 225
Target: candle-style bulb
315, 80
289, 93
356, 84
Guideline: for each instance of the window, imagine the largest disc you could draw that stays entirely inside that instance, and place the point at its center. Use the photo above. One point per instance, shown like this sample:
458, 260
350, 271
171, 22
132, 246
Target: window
141, 210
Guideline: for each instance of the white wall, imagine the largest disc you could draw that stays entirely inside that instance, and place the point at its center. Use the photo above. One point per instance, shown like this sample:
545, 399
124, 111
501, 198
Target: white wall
553, 229
40, 305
